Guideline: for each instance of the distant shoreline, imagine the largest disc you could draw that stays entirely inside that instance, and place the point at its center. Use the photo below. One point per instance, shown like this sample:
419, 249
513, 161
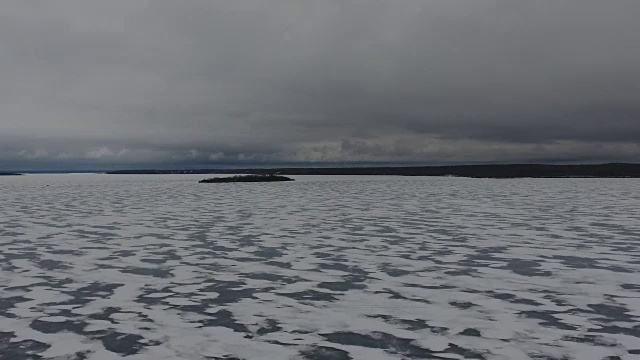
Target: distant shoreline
9, 174
613, 170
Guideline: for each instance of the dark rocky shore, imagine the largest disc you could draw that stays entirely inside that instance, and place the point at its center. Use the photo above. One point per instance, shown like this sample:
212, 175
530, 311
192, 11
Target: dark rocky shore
618, 170
247, 178
8, 174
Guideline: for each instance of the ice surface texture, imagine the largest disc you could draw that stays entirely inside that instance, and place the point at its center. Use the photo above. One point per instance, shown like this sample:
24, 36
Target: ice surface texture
161, 267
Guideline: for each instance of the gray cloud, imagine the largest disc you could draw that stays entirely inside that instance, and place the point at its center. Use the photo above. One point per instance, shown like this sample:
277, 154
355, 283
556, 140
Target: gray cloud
148, 82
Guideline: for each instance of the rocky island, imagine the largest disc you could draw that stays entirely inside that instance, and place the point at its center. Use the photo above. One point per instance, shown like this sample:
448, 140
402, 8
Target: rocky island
247, 178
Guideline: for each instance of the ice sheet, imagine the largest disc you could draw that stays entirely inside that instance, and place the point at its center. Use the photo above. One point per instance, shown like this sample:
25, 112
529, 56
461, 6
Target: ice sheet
161, 267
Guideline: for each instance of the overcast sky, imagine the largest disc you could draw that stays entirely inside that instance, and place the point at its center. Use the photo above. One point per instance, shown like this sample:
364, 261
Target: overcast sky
135, 83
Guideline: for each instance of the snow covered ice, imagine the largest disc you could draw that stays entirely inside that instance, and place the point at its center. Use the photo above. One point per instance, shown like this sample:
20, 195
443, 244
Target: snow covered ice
161, 267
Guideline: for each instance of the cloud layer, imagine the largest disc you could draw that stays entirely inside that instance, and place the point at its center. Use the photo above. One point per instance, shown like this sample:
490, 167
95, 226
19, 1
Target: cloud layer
147, 82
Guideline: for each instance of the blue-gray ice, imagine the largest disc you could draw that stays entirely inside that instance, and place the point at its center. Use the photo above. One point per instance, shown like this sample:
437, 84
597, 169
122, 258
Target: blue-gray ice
161, 267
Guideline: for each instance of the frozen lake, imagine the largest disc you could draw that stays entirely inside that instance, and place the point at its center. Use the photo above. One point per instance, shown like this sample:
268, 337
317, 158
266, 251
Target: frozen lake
161, 267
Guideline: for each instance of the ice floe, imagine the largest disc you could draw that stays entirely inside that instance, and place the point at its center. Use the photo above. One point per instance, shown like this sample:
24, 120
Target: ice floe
143, 267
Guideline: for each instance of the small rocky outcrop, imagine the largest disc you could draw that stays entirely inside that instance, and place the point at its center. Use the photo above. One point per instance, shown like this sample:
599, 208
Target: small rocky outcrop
247, 178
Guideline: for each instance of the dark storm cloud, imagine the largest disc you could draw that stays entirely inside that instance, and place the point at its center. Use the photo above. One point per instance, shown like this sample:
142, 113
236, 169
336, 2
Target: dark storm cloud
205, 82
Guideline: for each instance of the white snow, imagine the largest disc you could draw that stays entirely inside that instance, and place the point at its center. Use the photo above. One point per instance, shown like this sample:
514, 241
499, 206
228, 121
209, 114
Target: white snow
378, 267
